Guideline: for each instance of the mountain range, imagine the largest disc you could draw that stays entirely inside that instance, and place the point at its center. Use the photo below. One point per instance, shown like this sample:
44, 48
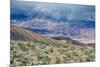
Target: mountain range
24, 34
73, 29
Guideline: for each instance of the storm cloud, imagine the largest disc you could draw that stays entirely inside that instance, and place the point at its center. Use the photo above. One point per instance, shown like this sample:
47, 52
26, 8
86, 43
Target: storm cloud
55, 11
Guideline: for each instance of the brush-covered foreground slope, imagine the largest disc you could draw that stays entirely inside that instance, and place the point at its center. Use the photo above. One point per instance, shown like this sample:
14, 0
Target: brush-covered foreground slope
29, 48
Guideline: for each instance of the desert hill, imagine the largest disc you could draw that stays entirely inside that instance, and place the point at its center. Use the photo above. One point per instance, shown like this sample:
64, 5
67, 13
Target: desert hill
28, 48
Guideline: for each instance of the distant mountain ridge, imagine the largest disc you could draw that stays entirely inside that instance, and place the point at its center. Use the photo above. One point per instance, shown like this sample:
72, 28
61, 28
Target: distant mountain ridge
72, 29
23, 34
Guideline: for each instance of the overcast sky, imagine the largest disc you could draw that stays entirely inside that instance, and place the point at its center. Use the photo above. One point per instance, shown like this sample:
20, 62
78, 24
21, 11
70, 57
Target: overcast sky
52, 10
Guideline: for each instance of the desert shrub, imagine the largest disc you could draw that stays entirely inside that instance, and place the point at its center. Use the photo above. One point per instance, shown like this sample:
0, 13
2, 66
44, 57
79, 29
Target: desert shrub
25, 53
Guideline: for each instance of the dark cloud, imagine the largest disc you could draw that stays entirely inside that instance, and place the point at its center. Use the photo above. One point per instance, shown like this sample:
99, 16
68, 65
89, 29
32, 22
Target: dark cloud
66, 12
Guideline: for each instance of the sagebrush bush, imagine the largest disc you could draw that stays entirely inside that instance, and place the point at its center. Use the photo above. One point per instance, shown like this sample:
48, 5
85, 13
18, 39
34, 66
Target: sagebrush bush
25, 53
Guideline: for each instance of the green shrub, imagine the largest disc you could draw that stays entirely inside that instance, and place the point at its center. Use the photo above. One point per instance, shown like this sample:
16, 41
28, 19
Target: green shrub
25, 53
